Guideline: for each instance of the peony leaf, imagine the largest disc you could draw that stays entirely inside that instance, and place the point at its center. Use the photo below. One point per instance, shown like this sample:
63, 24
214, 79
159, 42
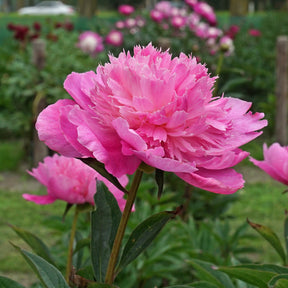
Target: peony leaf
198, 284
100, 168
9, 283
36, 244
143, 235
286, 232
104, 224
48, 274
270, 236
159, 176
209, 273
250, 275
279, 281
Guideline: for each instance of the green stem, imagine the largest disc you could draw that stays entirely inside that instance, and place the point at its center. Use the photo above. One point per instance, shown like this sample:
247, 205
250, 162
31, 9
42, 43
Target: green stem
218, 70
109, 279
71, 244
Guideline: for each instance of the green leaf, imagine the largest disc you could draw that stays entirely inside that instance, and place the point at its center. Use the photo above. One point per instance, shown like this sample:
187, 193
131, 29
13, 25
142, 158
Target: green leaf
286, 231
210, 273
270, 236
101, 285
104, 224
9, 283
36, 244
279, 281
203, 284
49, 275
100, 168
143, 235
252, 276
159, 176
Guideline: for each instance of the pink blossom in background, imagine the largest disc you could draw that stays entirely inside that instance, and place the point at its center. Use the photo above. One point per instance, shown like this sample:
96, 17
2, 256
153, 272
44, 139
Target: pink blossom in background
155, 109
201, 30
226, 45
193, 20
70, 180
254, 32
120, 24
232, 31
90, 42
156, 15
130, 23
178, 22
191, 3
206, 11
126, 9
213, 32
164, 7
275, 162
114, 38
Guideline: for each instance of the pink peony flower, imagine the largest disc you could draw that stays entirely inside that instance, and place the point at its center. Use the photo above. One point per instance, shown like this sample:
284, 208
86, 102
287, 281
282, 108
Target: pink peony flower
254, 32
206, 11
155, 109
114, 38
90, 43
156, 15
70, 180
126, 9
275, 162
178, 21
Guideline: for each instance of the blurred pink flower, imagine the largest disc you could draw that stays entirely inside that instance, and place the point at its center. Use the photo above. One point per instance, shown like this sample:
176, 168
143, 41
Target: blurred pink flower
114, 38
126, 9
178, 21
120, 24
206, 11
157, 109
254, 32
226, 45
275, 162
156, 15
70, 180
90, 42
232, 31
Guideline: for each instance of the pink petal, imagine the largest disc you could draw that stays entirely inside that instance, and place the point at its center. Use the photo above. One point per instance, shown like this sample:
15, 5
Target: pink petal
39, 199
226, 181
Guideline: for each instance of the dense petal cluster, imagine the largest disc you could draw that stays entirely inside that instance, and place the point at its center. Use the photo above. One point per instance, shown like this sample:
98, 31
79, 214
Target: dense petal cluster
275, 162
157, 109
70, 180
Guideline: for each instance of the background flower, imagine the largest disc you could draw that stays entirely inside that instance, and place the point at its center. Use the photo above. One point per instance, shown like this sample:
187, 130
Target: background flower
90, 43
154, 109
275, 162
70, 180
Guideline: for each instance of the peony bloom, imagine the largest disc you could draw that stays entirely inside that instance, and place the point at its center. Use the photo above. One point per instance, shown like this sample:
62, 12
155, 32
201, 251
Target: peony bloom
156, 15
114, 38
90, 43
178, 21
275, 162
206, 11
155, 109
70, 180
126, 9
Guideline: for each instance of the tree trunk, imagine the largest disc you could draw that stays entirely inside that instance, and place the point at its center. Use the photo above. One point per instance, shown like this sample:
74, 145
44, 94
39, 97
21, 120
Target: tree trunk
281, 90
87, 8
238, 8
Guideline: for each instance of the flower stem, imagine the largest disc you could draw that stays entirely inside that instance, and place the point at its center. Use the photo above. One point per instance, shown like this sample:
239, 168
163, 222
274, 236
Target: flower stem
109, 279
71, 243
